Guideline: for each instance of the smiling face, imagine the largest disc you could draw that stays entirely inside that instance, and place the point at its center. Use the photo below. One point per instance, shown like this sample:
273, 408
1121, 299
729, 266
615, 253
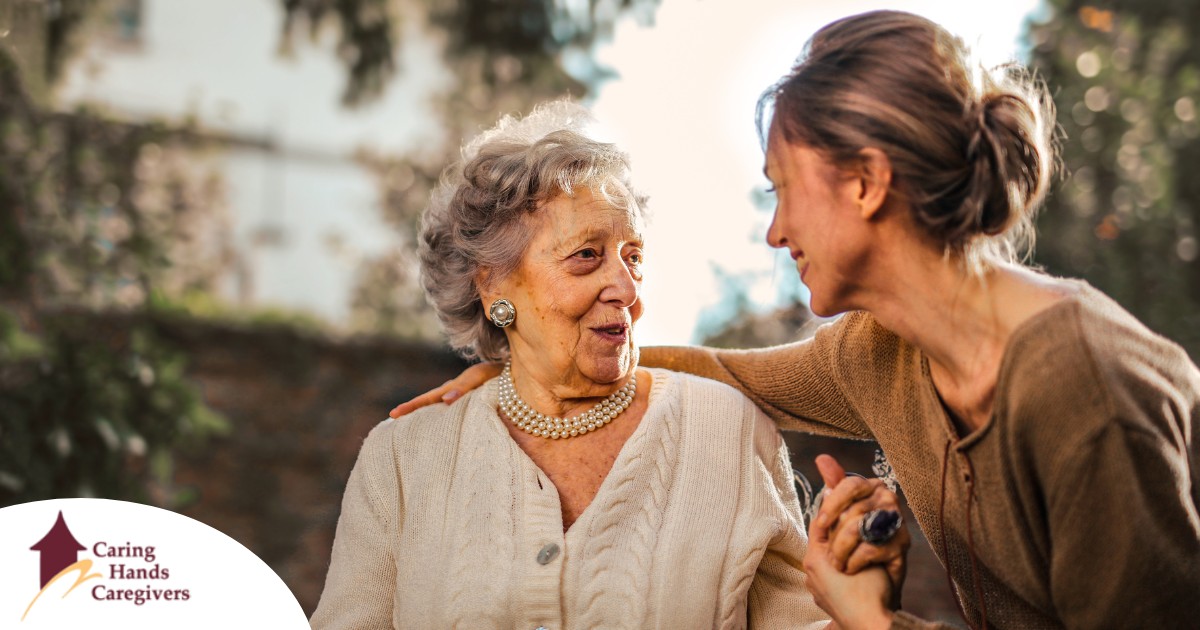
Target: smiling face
576, 293
818, 220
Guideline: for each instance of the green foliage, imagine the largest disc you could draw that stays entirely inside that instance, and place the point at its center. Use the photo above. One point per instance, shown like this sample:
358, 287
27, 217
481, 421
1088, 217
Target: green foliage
86, 408
93, 399
1126, 81
204, 305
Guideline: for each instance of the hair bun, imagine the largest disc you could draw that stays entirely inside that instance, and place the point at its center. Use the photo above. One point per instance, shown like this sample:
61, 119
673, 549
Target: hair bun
1008, 169
970, 148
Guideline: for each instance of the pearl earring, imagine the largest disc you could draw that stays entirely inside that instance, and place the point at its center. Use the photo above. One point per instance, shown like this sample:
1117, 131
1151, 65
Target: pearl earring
503, 313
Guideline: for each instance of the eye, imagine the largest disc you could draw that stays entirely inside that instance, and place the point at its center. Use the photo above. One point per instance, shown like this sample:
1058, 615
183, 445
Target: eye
635, 257
587, 254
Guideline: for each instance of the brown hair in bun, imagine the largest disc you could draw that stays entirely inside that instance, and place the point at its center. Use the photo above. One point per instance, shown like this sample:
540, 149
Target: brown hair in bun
971, 149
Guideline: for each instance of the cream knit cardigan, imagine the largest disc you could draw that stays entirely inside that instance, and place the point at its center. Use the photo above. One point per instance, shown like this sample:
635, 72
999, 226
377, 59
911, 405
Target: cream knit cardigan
447, 523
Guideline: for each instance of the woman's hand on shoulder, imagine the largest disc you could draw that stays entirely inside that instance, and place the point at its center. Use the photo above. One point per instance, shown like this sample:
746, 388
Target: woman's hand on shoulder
452, 389
836, 527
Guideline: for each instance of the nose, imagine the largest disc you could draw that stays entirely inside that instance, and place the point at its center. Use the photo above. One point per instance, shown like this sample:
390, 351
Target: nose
775, 236
622, 285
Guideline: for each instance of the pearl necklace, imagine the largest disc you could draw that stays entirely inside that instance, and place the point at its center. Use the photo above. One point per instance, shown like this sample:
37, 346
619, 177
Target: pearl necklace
541, 425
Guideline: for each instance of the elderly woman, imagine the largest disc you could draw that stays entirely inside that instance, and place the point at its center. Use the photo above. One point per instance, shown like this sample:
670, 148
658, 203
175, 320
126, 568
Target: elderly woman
575, 490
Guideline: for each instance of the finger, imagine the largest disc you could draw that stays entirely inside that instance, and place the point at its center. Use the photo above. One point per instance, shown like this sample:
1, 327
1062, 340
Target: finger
890, 556
471, 378
817, 552
453, 389
831, 471
897, 569
850, 498
865, 555
477, 375
846, 533
428, 398
839, 499
844, 537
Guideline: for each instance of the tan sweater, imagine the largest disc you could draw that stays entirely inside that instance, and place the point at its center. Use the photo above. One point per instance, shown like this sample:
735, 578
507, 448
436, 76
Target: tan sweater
447, 523
1086, 479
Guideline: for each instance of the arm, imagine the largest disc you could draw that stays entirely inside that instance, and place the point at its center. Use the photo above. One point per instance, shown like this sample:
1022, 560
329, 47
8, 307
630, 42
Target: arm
779, 596
795, 384
360, 587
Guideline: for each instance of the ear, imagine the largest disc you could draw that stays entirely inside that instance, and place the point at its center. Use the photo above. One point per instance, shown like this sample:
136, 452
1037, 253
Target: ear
483, 284
875, 181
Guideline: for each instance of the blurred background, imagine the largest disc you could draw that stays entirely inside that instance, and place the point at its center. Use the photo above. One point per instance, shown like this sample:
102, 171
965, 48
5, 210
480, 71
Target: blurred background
208, 291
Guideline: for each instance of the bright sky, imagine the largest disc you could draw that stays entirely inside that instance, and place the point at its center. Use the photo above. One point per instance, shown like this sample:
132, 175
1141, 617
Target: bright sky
683, 107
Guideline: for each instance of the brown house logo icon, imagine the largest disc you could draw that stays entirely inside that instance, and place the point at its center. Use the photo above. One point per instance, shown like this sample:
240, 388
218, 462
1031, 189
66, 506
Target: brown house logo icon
60, 557
58, 549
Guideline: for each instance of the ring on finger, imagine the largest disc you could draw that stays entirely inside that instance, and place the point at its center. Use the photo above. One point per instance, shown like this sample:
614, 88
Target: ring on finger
879, 526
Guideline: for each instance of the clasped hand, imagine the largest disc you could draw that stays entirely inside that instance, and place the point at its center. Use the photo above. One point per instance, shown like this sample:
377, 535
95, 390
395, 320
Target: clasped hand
856, 582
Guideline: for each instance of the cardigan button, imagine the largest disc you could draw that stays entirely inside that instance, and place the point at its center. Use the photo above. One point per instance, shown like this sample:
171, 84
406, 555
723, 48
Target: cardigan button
548, 553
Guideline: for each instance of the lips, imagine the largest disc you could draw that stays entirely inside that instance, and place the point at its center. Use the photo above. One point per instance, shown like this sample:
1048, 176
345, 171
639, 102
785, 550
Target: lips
615, 332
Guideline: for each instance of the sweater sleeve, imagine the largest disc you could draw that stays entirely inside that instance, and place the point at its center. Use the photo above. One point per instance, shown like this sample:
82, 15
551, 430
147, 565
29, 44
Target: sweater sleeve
1125, 533
795, 384
361, 584
778, 596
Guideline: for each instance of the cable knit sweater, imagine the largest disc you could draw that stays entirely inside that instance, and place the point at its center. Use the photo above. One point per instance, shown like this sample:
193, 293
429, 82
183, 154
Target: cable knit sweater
447, 523
1074, 506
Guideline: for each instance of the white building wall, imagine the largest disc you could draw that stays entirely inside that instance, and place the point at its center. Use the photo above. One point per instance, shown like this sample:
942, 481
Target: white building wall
304, 213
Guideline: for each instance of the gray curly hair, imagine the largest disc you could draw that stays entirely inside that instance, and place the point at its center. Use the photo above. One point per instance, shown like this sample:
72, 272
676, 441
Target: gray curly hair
478, 214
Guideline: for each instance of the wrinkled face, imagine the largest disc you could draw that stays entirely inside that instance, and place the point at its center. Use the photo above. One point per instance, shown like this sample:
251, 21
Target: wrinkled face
576, 293
817, 220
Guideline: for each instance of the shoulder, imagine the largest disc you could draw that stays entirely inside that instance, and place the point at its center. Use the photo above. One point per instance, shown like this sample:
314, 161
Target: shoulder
703, 402
378, 443
420, 435
1091, 360
861, 331
437, 415
383, 435
869, 354
699, 394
